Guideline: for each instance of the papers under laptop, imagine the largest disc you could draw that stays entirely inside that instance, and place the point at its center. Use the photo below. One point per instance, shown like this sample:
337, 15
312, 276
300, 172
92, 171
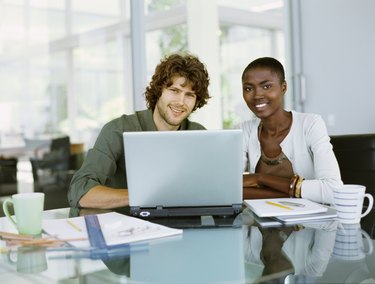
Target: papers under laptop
184, 173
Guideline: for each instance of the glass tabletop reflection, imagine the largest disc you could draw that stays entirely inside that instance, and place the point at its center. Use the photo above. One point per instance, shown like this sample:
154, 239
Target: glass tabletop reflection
231, 249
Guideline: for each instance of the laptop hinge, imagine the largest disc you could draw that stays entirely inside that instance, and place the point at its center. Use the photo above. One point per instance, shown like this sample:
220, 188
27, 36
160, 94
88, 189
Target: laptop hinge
237, 208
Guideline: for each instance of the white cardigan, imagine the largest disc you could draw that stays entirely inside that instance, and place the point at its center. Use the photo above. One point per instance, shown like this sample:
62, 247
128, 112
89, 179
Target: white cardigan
308, 148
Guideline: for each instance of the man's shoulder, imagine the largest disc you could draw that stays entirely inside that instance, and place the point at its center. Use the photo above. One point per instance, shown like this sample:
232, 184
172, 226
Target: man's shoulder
192, 125
127, 122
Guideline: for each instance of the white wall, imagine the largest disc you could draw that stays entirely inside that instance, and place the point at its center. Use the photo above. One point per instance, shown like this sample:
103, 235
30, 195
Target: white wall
333, 49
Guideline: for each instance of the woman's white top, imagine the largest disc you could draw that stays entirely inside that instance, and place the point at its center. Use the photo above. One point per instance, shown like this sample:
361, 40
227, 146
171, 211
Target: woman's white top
308, 148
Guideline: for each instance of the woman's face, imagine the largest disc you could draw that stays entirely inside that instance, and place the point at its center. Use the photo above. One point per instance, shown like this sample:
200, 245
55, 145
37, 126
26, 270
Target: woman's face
263, 92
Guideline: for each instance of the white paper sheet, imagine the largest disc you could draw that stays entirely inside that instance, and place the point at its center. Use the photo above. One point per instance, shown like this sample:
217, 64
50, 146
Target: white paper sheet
117, 229
275, 207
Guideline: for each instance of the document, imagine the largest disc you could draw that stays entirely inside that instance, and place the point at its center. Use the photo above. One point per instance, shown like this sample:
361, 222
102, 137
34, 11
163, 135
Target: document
330, 214
274, 207
115, 228
265, 222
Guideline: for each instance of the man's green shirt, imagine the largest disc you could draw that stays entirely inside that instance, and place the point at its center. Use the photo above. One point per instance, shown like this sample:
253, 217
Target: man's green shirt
105, 162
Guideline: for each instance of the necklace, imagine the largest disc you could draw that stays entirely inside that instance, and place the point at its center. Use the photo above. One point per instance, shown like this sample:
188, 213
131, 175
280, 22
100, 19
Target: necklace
270, 161
273, 161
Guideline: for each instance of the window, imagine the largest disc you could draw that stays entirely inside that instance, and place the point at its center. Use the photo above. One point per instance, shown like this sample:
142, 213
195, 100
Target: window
239, 45
65, 66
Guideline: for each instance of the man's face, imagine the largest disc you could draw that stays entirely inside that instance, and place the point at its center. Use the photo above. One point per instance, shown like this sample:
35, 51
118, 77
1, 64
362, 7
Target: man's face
174, 105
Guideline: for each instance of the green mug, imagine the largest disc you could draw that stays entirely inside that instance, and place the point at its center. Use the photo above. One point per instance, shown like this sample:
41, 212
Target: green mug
28, 259
28, 208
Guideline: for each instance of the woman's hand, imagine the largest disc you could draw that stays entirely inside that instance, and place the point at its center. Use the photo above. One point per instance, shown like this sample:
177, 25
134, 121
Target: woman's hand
264, 186
251, 180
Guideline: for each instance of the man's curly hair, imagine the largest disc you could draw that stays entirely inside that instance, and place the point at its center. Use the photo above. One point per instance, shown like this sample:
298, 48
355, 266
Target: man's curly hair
184, 65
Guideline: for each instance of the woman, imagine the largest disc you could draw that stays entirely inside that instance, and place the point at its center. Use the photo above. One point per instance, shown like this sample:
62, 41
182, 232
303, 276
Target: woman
287, 153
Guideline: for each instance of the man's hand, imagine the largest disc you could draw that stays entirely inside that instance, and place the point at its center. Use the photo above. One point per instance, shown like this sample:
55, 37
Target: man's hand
102, 197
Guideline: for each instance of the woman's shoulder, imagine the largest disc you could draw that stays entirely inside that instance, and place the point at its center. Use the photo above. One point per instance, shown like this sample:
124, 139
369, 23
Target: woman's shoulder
309, 123
306, 118
250, 123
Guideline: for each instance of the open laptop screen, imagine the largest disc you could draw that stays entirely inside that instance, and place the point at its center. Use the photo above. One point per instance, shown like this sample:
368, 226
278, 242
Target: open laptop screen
184, 168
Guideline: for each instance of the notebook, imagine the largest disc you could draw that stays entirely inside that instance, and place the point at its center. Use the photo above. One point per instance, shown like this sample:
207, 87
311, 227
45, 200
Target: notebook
283, 207
184, 173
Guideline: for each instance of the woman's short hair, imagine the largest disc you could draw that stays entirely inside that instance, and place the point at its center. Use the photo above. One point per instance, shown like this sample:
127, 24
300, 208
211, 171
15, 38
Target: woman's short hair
184, 65
267, 62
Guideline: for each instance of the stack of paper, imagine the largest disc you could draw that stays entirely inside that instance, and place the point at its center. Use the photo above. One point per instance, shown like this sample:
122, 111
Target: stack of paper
330, 214
290, 210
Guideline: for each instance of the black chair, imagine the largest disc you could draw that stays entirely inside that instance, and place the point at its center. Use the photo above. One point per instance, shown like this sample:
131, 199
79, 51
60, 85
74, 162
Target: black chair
355, 154
52, 173
8, 176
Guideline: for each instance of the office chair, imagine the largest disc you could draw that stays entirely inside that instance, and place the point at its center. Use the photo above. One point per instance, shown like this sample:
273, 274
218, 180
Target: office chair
52, 173
8, 176
355, 154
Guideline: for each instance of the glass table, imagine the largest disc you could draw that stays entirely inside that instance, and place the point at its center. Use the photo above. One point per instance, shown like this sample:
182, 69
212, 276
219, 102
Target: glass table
211, 250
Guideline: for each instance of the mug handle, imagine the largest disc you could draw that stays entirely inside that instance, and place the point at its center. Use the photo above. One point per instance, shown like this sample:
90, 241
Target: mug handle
369, 242
370, 204
6, 211
12, 256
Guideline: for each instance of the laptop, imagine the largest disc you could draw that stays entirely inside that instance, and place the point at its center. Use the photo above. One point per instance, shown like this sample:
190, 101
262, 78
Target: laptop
184, 173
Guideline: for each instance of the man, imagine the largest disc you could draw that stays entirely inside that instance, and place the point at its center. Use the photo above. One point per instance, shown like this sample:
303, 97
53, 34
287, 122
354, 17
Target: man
178, 87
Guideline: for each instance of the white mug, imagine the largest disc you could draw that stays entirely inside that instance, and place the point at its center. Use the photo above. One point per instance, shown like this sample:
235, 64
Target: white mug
349, 243
348, 202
